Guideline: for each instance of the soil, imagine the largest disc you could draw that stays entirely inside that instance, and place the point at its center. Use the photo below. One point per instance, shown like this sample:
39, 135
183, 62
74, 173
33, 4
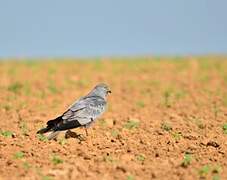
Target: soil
166, 119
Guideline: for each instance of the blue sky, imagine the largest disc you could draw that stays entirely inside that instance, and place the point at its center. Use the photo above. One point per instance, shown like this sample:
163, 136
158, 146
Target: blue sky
54, 28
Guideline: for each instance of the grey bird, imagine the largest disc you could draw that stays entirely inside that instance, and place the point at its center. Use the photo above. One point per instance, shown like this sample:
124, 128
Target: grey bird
81, 113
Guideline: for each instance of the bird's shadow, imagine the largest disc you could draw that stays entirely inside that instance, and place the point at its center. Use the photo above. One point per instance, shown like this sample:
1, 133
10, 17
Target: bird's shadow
71, 134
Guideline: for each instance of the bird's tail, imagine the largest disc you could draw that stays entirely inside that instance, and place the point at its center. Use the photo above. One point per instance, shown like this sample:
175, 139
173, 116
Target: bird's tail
51, 124
53, 135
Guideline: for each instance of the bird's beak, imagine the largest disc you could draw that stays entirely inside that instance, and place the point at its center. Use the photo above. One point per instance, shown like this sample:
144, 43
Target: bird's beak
109, 91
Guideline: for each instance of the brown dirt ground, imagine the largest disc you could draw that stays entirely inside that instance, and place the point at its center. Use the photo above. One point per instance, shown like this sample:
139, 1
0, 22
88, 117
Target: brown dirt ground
159, 111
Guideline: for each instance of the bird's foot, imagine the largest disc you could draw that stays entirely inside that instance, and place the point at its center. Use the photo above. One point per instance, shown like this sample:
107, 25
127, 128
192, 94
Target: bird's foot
71, 134
81, 137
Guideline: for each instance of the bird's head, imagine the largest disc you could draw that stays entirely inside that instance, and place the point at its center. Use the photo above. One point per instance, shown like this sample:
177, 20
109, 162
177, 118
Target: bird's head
101, 90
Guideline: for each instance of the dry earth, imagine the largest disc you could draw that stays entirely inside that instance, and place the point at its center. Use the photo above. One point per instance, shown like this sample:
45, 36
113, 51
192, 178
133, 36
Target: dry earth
167, 119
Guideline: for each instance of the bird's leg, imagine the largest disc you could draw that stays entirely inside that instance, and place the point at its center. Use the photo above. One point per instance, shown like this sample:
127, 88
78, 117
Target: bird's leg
86, 130
69, 134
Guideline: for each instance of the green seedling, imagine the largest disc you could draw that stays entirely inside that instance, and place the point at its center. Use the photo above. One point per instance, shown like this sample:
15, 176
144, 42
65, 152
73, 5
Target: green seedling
167, 127
27, 89
41, 94
98, 65
41, 137
224, 99
51, 71
215, 110
204, 171
102, 122
167, 95
132, 124
42, 176
140, 157
62, 141
24, 128
198, 121
109, 159
82, 83
140, 104
217, 169
216, 177
56, 160
26, 166
15, 87
8, 134
177, 135
47, 178
115, 133
180, 94
7, 107
130, 177
187, 160
224, 128
18, 155
200, 124
53, 89
12, 71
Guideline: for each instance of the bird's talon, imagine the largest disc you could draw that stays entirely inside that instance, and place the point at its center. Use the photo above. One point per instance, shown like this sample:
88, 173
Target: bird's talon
81, 137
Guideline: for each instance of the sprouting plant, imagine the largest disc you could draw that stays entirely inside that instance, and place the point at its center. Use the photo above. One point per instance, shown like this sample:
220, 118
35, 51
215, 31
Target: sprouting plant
97, 66
224, 99
52, 88
204, 170
24, 128
130, 177
199, 123
180, 94
6, 133
109, 159
217, 169
114, 133
26, 165
215, 110
42, 176
224, 128
82, 82
140, 104
51, 71
46, 177
12, 71
41, 137
7, 107
15, 87
187, 160
102, 122
140, 157
56, 160
41, 94
216, 177
18, 155
166, 95
132, 124
177, 135
166, 126
62, 141
27, 89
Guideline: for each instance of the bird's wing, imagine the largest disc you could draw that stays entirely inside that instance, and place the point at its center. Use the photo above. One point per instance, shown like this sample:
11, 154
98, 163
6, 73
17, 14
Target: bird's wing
85, 110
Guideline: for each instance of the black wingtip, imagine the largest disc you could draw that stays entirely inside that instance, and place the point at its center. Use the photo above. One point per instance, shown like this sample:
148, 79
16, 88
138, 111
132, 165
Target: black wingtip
53, 122
43, 130
50, 125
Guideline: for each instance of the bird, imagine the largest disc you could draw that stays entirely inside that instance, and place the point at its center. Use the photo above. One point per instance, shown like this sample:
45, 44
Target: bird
82, 113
